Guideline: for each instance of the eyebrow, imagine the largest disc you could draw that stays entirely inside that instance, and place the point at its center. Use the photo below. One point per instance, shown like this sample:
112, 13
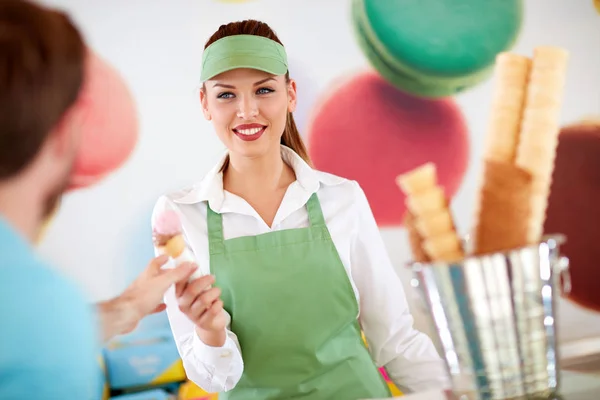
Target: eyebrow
233, 87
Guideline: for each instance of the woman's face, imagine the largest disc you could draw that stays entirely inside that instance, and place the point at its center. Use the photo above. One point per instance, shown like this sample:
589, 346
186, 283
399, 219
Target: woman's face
248, 109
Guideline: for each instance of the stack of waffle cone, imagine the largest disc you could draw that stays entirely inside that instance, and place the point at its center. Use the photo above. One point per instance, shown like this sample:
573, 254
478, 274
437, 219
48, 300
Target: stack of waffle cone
432, 234
519, 155
540, 127
415, 239
505, 188
520, 149
504, 208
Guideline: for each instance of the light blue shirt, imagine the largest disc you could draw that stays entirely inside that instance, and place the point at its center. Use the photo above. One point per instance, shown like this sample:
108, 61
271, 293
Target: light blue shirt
48, 336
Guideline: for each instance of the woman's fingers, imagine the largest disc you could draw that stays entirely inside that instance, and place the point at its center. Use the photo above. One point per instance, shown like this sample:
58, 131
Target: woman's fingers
213, 316
203, 302
192, 290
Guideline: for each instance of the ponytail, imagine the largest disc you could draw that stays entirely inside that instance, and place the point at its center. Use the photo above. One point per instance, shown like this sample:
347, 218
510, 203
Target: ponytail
292, 139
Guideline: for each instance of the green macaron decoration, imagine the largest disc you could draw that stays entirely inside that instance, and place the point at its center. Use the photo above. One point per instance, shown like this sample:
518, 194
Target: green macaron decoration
435, 48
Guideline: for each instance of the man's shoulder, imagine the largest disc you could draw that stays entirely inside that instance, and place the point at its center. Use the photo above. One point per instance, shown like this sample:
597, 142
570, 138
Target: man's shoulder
36, 300
48, 330
28, 279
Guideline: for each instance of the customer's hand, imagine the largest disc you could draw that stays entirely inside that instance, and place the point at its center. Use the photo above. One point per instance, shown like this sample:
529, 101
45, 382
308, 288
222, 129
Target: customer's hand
203, 306
143, 297
145, 294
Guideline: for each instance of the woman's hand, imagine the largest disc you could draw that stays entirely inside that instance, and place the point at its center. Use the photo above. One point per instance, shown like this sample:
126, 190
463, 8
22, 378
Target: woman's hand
201, 304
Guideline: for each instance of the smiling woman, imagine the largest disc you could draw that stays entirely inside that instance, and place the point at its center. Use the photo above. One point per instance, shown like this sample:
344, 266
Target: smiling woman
299, 267
273, 62
232, 101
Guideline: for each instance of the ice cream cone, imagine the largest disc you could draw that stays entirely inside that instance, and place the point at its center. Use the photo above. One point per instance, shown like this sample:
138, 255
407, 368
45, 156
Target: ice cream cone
540, 128
510, 89
175, 246
414, 239
502, 219
418, 180
432, 233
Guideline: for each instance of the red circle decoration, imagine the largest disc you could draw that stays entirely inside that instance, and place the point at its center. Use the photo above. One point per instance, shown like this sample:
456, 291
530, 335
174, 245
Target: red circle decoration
573, 208
369, 131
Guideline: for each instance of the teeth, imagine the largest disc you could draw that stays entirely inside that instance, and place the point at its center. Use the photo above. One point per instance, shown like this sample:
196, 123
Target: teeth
249, 132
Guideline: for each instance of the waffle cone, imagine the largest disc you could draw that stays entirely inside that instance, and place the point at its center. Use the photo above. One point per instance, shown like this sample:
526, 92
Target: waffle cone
418, 179
540, 129
431, 231
427, 202
414, 238
550, 57
504, 213
446, 247
510, 90
435, 224
175, 246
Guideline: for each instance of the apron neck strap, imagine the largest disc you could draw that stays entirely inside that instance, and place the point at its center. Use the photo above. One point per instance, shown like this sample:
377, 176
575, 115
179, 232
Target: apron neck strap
315, 214
214, 223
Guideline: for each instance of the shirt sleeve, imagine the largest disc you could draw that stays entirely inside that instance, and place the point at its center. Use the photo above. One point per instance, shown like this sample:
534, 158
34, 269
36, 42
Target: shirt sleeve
214, 369
409, 356
49, 336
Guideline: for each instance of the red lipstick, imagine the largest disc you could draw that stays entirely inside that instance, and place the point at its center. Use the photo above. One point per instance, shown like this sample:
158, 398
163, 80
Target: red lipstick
249, 132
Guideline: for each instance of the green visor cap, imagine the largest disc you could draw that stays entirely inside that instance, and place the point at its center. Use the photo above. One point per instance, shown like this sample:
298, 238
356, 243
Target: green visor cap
243, 51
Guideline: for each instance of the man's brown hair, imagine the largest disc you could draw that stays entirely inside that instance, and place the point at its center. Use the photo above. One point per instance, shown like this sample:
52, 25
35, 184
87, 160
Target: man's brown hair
42, 60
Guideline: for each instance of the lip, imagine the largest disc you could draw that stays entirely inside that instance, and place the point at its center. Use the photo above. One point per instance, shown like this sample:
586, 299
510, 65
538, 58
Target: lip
249, 138
248, 126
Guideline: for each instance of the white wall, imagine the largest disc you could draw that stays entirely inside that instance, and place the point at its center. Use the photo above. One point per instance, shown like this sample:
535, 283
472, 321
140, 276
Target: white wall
102, 237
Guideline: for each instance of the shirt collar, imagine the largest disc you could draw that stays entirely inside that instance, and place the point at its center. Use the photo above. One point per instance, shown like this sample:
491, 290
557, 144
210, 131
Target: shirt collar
211, 187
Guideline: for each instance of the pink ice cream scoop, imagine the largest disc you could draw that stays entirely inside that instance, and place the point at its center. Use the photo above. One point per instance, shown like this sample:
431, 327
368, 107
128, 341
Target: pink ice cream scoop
168, 238
168, 223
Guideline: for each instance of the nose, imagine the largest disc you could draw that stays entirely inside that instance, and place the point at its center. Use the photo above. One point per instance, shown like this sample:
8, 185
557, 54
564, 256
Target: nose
248, 108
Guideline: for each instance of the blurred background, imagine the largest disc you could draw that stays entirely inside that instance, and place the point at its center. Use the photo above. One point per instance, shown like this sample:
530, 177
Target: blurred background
383, 87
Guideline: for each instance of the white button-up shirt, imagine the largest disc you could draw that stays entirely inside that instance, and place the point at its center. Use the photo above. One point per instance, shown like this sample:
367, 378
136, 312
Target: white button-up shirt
408, 355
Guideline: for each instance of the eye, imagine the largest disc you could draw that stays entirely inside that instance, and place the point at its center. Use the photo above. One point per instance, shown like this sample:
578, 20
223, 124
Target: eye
264, 91
225, 95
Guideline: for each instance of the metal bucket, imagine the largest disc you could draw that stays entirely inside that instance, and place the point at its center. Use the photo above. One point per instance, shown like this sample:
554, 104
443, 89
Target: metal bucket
494, 317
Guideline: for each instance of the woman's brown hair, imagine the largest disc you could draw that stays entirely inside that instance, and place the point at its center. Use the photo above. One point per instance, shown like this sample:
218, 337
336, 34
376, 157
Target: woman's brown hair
291, 137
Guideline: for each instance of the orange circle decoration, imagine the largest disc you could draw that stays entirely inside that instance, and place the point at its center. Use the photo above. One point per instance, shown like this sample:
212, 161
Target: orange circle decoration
109, 127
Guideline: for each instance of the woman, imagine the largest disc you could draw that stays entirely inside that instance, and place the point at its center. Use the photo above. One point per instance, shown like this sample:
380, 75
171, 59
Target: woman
298, 262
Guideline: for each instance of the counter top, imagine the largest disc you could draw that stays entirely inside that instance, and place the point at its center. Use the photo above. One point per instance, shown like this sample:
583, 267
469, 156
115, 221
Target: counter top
575, 386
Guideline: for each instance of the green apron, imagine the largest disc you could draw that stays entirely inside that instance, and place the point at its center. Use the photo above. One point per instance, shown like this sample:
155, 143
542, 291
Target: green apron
295, 314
